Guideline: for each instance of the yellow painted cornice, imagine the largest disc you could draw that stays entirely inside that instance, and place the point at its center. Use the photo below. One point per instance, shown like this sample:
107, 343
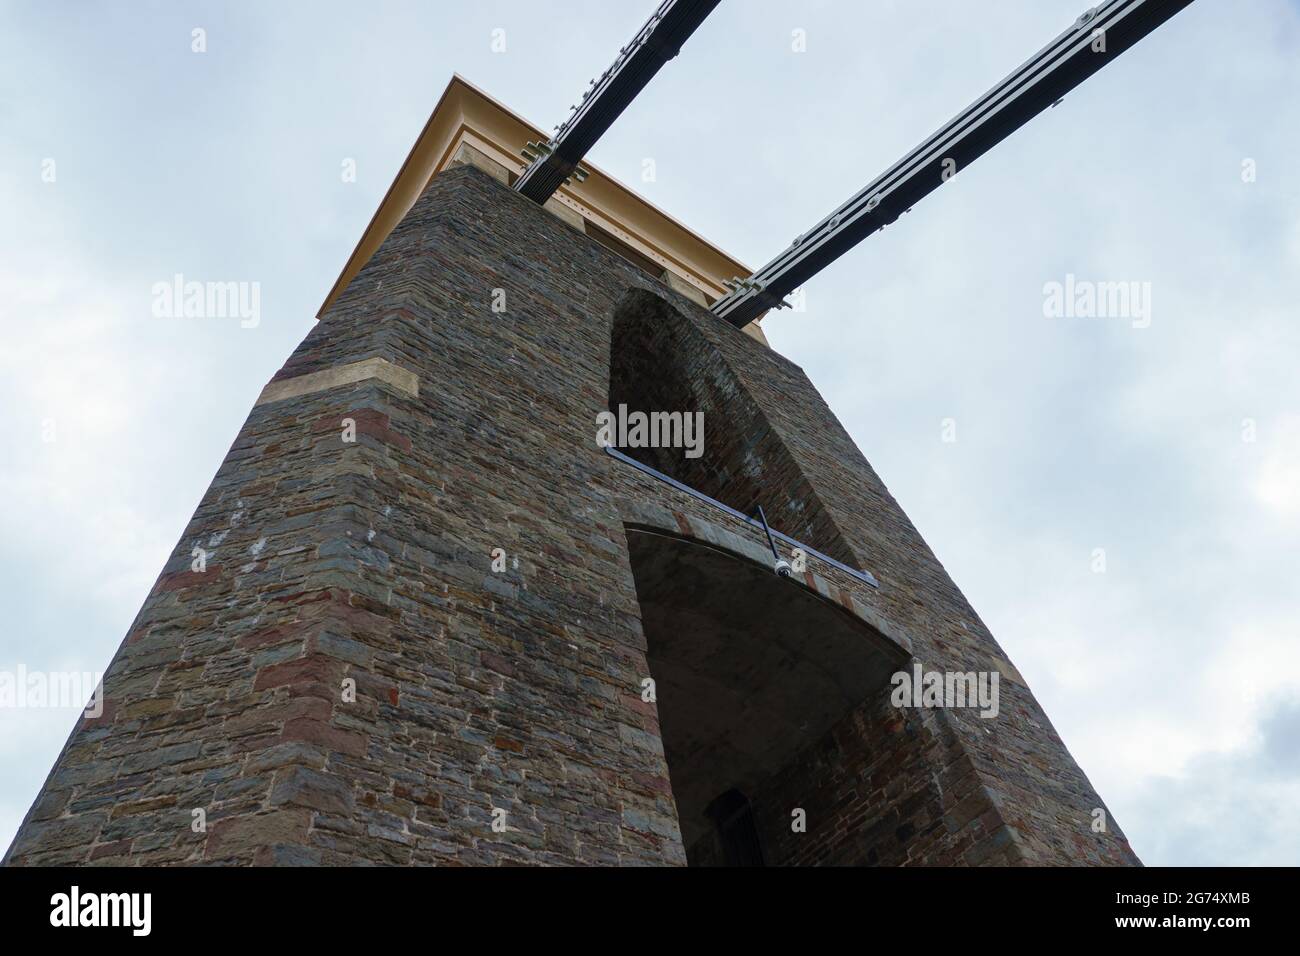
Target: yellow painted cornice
466, 116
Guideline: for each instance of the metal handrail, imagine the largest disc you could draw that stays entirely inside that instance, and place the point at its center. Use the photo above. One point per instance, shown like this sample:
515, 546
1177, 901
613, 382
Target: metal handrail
865, 577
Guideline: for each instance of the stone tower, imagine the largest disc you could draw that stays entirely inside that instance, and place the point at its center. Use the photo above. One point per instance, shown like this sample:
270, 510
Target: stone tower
436, 622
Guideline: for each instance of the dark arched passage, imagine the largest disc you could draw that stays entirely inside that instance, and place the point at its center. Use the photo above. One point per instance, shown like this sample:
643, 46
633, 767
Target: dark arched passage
750, 670
661, 362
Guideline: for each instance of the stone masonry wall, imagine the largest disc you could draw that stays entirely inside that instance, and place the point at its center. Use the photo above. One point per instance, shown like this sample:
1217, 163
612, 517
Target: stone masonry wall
331, 562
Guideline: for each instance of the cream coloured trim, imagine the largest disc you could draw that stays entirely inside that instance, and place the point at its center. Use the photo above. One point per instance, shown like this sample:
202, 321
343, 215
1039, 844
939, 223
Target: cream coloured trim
402, 379
466, 116
678, 284
566, 215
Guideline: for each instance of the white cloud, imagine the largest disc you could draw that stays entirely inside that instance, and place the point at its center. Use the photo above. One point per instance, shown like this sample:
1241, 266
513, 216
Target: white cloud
1278, 483
1073, 434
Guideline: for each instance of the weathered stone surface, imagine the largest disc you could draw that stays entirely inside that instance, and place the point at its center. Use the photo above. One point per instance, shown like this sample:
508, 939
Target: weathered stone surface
299, 786
351, 681
239, 838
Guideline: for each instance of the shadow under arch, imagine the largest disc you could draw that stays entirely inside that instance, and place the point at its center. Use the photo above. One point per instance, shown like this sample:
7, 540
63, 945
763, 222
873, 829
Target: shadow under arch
661, 361
750, 670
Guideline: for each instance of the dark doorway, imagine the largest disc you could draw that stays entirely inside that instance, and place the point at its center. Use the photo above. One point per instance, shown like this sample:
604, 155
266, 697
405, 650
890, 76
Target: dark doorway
737, 832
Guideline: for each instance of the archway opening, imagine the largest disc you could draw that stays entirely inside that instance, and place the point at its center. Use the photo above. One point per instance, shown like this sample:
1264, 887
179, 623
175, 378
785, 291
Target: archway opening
750, 670
662, 365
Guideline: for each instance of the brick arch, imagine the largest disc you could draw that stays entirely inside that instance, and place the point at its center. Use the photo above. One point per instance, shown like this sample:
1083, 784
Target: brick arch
659, 361
751, 669
749, 547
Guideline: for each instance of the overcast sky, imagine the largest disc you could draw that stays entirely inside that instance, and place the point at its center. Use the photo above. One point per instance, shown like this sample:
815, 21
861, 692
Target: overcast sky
1173, 676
